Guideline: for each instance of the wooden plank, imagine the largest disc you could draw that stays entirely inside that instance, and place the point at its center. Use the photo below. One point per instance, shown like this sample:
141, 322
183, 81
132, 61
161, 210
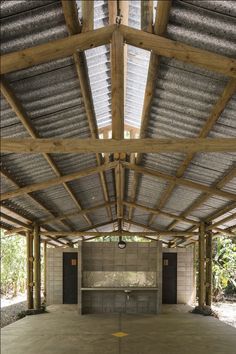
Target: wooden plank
57, 181
65, 146
177, 50
112, 11
180, 181
60, 48
117, 83
201, 265
87, 15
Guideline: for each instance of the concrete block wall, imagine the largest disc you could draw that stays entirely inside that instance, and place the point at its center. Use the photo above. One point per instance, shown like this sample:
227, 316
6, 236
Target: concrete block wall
186, 283
138, 259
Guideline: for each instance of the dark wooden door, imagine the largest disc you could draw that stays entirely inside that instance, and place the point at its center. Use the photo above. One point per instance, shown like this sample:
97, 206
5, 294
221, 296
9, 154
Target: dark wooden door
169, 278
70, 278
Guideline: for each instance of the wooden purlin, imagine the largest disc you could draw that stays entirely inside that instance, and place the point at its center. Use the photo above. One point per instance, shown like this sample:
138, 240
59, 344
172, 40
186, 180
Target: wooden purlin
20, 112
159, 28
74, 27
217, 109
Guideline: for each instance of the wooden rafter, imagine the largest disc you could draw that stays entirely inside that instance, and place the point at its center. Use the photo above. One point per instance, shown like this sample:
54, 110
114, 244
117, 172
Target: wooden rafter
217, 109
180, 181
25, 120
33, 199
74, 27
87, 15
64, 146
56, 181
159, 28
199, 201
177, 50
60, 48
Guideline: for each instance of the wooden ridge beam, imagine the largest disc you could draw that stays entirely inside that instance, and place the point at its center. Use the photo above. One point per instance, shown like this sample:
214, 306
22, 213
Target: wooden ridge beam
179, 181
60, 48
180, 51
117, 83
217, 109
74, 27
65, 146
57, 181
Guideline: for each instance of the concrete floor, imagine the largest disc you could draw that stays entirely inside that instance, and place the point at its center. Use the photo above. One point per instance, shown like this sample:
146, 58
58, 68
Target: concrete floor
63, 331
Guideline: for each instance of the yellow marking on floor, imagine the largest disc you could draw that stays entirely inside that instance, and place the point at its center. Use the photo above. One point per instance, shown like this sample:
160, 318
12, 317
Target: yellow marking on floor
120, 334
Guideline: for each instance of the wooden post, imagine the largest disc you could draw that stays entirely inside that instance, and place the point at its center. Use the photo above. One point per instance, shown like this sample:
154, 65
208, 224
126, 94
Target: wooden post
208, 267
45, 270
30, 280
201, 266
37, 269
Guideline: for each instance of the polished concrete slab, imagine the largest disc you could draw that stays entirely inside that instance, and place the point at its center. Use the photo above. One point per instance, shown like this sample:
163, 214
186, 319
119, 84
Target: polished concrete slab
63, 331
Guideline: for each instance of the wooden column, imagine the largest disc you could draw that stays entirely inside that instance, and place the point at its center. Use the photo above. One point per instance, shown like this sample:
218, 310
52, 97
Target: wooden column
45, 270
201, 265
37, 268
30, 271
208, 268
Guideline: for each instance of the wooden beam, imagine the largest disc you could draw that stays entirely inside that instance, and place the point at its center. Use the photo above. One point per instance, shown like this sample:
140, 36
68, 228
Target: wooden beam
71, 16
201, 265
37, 268
117, 233
161, 212
60, 48
117, 83
7, 175
57, 181
177, 50
30, 267
147, 15
221, 222
65, 146
25, 120
81, 212
112, 11
87, 15
218, 108
180, 181
119, 178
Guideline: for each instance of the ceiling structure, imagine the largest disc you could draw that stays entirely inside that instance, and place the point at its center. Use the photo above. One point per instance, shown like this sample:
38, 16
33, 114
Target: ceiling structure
162, 71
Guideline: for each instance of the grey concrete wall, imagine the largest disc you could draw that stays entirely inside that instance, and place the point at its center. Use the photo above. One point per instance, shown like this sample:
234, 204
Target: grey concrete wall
186, 286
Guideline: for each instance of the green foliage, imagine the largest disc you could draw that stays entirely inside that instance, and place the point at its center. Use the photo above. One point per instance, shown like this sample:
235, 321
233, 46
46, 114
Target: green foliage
13, 264
224, 265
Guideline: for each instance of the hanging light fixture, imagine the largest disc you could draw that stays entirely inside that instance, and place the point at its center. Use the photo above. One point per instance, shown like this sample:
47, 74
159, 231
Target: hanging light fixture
121, 243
